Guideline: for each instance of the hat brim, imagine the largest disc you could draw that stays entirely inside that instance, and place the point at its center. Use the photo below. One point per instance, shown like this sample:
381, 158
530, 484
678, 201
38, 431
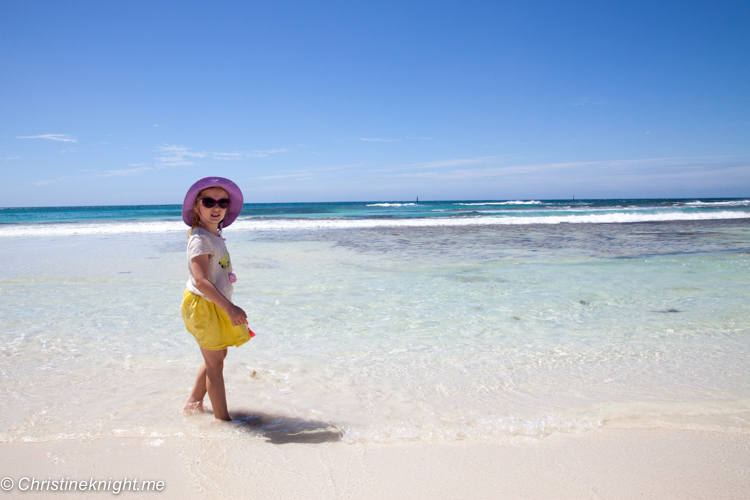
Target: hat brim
235, 198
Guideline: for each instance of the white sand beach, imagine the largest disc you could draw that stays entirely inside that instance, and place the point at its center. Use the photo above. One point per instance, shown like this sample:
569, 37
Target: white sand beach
599, 464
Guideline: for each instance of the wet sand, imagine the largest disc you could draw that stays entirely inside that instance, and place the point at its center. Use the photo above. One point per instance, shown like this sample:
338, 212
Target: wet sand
598, 464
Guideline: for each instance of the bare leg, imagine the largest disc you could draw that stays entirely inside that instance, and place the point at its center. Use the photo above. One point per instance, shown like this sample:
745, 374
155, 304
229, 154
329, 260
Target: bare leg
214, 381
194, 404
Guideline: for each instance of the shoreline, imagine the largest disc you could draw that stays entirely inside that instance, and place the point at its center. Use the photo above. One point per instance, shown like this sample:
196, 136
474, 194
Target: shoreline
601, 463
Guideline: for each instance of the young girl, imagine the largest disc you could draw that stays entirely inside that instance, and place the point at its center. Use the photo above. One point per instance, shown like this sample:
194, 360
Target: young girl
211, 204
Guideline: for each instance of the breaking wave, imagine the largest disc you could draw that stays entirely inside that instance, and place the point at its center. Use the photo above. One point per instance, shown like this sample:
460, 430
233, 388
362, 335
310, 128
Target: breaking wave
282, 224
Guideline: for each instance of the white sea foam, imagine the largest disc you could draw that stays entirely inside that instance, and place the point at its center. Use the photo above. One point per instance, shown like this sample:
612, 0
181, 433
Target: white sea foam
501, 203
734, 203
273, 224
391, 204
104, 228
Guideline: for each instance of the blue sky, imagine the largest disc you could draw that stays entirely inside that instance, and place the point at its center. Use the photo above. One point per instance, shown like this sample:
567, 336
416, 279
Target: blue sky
130, 102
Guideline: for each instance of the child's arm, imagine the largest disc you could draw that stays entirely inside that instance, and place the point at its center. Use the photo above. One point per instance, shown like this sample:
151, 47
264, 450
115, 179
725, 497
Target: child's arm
200, 272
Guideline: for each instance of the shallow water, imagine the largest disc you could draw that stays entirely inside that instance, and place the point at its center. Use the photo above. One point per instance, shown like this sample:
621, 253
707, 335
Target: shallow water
387, 333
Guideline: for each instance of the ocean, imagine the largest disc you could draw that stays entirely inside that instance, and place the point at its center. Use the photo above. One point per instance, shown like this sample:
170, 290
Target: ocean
384, 321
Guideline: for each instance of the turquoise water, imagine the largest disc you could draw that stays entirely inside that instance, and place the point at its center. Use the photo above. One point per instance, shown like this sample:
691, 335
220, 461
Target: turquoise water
405, 327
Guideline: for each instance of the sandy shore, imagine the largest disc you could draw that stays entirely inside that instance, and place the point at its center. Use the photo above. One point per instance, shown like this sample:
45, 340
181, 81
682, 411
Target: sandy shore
606, 464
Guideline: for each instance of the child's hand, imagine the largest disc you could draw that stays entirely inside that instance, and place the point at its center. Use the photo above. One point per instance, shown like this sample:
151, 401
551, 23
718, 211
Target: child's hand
237, 315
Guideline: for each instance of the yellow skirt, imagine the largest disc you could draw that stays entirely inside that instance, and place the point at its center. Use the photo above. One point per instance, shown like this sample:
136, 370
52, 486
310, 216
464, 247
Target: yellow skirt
210, 324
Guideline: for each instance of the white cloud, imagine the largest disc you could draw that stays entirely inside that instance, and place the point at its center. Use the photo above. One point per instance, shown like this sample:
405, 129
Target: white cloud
639, 170
510, 176
177, 156
380, 139
443, 164
139, 169
11, 158
266, 152
456, 162
123, 172
306, 173
413, 175
45, 182
51, 137
589, 101
291, 175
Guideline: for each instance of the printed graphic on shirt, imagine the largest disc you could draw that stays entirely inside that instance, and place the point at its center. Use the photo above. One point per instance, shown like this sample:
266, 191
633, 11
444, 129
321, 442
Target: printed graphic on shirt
224, 262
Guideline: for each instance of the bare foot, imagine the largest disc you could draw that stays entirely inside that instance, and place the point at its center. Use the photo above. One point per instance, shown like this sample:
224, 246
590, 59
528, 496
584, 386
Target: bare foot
192, 407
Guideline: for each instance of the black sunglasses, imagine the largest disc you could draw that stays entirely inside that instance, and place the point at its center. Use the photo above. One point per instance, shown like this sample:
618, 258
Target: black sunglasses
210, 202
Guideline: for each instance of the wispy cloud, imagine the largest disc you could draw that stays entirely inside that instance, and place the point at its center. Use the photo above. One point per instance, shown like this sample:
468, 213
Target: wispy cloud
589, 101
401, 170
458, 162
380, 139
11, 158
50, 137
290, 175
123, 172
641, 169
413, 175
262, 153
307, 173
45, 182
98, 174
506, 175
177, 156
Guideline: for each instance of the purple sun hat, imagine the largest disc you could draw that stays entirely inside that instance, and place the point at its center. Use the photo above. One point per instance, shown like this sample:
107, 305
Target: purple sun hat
233, 190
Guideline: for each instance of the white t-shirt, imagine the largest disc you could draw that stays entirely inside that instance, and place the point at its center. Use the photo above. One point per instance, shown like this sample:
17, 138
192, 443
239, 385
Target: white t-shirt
201, 242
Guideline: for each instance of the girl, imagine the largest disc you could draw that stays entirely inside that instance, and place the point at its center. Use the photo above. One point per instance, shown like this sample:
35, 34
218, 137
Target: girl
211, 204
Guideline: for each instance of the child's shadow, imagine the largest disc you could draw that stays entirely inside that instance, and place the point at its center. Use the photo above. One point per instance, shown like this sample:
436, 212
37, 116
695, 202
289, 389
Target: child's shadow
278, 429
